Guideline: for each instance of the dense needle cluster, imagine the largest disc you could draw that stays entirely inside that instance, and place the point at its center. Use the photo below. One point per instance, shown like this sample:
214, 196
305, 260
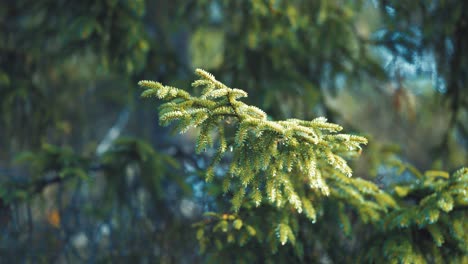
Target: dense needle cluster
290, 166
271, 159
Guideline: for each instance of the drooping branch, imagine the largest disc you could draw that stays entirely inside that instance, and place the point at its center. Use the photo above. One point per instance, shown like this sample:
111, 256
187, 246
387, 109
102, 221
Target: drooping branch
279, 155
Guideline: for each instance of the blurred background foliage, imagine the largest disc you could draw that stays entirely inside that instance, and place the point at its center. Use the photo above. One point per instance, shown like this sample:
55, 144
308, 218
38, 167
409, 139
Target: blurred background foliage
87, 175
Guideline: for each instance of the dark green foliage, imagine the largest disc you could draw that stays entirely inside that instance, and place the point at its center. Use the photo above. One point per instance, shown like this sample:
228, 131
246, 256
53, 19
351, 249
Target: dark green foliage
50, 165
243, 186
43, 43
132, 171
154, 167
54, 165
290, 49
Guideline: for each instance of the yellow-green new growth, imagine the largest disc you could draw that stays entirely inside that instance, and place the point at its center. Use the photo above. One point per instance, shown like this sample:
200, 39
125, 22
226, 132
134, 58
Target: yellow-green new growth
271, 159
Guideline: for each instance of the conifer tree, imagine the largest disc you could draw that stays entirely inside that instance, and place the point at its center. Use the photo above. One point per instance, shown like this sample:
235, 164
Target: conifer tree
293, 166
267, 181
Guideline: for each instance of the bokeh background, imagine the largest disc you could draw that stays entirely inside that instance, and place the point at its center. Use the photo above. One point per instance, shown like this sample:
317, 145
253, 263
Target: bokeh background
88, 175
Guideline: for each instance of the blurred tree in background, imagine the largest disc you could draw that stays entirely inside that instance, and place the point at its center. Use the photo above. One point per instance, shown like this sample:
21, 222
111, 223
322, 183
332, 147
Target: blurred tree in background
87, 175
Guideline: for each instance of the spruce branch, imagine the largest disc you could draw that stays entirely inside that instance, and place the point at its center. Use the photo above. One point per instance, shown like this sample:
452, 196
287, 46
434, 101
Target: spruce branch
431, 219
271, 159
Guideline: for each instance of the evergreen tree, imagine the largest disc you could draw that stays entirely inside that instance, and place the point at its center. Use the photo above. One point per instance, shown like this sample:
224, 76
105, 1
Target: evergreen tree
87, 176
293, 165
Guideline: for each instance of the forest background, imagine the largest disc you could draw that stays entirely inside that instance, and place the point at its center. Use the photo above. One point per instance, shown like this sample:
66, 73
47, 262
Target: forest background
87, 174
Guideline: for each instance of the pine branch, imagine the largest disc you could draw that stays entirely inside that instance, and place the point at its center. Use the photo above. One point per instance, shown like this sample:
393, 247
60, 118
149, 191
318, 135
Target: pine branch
271, 159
